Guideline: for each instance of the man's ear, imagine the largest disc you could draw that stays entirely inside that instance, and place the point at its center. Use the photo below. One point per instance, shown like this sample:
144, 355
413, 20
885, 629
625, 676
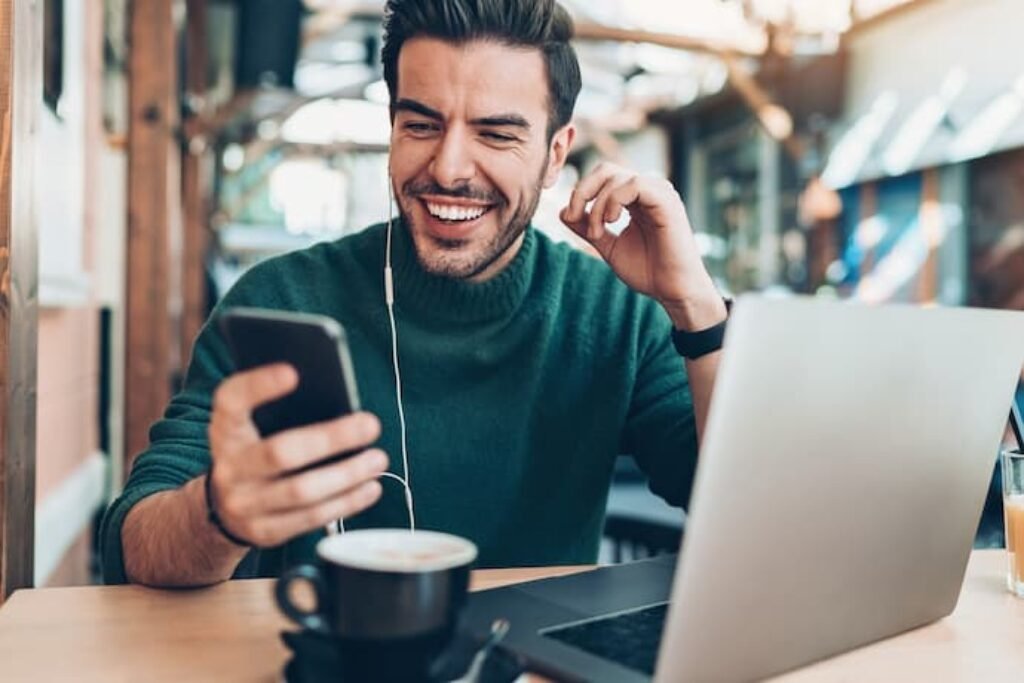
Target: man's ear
561, 144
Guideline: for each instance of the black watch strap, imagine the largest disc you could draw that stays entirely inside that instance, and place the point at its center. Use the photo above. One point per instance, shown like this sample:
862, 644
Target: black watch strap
211, 514
693, 345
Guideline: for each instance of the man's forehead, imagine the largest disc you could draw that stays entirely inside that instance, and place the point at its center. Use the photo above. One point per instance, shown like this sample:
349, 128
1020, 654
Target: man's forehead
479, 73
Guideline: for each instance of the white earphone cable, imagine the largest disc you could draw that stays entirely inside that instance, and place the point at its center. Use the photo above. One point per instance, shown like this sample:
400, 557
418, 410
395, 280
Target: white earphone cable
389, 299
338, 526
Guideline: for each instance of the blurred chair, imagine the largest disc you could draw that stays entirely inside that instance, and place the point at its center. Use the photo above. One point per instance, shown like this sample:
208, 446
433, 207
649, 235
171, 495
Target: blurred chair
633, 538
990, 532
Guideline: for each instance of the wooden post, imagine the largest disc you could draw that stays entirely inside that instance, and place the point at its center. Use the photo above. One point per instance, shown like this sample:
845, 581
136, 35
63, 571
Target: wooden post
21, 39
931, 225
153, 209
196, 180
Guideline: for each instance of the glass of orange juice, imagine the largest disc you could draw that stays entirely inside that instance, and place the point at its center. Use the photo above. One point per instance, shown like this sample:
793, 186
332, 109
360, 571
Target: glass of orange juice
1013, 517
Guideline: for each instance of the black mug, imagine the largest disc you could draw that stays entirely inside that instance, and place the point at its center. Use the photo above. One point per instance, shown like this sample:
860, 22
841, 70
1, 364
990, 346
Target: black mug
389, 598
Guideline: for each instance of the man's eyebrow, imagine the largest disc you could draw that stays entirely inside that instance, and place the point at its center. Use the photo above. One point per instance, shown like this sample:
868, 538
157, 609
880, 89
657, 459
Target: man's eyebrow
499, 120
415, 107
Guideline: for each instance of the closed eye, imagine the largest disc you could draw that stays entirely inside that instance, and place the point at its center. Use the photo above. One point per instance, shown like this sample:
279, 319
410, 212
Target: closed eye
420, 127
499, 137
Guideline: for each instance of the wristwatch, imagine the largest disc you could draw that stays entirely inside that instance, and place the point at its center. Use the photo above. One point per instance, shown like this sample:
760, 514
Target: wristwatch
693, 345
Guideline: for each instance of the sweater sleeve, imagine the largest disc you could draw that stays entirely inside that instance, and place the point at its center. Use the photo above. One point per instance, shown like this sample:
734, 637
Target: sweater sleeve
661, 431
178, 448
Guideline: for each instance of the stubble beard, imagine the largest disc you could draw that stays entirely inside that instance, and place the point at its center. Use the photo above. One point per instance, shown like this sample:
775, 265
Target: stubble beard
445, 261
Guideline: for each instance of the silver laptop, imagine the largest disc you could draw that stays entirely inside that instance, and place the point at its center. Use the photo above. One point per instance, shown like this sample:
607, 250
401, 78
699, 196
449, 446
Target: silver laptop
841, 479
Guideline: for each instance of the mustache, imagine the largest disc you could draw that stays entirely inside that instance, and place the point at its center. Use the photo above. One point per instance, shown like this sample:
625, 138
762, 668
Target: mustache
462, 191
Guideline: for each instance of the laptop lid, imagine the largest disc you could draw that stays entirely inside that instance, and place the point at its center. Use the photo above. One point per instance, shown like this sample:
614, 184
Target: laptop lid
841, 478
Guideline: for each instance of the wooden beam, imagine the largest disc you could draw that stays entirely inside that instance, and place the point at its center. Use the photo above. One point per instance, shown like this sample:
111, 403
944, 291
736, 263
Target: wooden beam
21, 39
863, 24
196, 182
153, 207
587, 30
329, 17
771, 116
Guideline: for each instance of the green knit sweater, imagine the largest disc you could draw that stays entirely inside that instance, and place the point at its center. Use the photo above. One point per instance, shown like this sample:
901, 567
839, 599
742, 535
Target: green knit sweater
519, 394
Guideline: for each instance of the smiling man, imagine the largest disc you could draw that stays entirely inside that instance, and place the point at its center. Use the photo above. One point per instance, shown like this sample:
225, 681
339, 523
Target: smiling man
470, 158
527, 367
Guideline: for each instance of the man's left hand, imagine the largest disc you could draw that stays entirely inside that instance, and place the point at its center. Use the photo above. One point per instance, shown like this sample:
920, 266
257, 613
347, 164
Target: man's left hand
656, 254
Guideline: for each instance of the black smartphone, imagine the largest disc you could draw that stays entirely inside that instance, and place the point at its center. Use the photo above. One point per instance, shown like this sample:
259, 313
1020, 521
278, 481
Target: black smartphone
315, 345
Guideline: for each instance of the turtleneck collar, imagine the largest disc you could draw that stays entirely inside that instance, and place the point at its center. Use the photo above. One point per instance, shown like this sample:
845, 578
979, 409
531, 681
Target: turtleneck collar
431, 297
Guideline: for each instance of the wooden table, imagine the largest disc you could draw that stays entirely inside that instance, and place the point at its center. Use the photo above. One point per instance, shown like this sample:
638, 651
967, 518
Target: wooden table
230, 633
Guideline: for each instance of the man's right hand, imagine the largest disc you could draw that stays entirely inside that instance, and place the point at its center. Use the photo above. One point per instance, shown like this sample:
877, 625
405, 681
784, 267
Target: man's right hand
259, 494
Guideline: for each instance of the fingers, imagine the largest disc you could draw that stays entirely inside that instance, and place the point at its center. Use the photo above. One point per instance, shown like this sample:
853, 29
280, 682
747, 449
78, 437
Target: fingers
609, 189
620, 190
237, 396
258, 491
601, 179
296, 448
624, 192
260, 495
627, 189
267, 509
274, 529
612, 211
231, 429
312, 487
586, 190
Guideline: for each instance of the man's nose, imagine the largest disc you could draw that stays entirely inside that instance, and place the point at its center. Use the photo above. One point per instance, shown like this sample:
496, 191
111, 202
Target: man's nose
453, 163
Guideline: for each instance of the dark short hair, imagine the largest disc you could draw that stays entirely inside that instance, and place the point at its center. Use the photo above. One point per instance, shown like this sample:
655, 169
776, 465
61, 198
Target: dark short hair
541, 24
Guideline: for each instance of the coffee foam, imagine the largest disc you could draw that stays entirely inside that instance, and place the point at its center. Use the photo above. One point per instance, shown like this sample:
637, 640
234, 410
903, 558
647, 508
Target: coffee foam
397, 550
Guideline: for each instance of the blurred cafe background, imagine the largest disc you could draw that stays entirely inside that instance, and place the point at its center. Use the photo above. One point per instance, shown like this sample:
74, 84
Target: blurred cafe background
860, 149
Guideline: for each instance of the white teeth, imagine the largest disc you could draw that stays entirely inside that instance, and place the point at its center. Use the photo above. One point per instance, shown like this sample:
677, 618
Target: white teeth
448, 212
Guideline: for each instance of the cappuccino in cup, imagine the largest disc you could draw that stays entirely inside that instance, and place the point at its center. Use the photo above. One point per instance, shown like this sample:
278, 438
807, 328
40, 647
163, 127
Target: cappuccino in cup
389, 597
397, 550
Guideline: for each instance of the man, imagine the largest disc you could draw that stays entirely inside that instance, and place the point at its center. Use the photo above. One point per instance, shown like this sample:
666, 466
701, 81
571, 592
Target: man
526, 366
